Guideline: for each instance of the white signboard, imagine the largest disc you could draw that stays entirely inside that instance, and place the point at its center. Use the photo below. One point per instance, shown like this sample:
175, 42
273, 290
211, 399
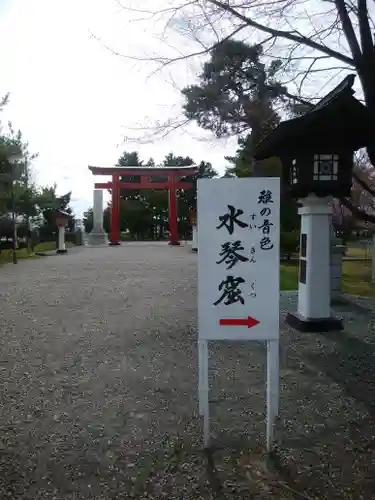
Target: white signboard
239, 258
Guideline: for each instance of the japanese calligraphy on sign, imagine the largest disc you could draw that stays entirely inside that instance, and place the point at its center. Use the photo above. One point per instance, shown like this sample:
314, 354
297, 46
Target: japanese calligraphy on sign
238, 260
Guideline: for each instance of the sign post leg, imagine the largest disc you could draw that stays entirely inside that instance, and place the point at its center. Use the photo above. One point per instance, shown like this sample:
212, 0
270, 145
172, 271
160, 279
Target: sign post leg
272, 390
203, 389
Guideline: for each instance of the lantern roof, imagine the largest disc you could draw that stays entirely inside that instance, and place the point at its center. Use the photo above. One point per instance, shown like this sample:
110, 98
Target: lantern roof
61, 213
337, 122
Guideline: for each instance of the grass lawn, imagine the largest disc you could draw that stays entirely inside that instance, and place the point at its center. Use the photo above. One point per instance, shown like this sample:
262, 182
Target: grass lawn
359, 253
6, 255
356, 278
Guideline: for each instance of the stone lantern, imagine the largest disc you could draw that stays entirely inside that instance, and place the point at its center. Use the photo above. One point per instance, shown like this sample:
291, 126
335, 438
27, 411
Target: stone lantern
61, 219
316, 151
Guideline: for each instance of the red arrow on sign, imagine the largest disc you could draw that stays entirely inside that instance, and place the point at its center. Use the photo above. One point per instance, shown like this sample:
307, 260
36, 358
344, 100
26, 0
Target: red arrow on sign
249, 322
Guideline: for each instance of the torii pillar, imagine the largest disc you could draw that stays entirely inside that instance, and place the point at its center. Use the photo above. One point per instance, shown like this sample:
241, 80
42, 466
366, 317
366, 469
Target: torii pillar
172, 212
115, 214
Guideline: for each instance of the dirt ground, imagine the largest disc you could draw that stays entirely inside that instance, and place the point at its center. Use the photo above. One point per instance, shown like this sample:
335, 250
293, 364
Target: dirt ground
98, 389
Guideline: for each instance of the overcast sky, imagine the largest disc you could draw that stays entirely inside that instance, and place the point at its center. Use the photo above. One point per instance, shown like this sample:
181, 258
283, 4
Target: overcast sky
74, 100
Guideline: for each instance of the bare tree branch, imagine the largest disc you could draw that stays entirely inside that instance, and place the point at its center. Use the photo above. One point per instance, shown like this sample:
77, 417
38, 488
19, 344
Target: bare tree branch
158, 131
165, 61
306, 74
348, 30
343, 24
357, 212
284, 34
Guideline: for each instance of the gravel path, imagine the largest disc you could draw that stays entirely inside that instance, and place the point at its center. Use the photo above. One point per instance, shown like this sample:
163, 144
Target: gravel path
98, 382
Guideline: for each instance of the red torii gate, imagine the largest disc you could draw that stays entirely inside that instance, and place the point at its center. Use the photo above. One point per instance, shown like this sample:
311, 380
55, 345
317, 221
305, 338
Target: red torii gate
145, 174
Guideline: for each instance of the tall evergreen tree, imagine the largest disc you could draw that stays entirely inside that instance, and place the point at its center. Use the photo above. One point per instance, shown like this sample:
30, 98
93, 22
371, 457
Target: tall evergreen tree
237, 95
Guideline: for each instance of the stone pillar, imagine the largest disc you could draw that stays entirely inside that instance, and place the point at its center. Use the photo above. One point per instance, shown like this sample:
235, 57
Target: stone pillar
61, 248
373, 257
98, 211
194, 244
194, 230
97, 235
314, 289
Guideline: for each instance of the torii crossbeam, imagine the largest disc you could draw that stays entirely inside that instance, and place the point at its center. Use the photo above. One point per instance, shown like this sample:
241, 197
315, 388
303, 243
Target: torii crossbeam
145, 175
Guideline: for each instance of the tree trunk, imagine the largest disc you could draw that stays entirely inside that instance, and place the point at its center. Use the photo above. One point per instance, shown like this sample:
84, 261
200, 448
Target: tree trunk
161, 232
367, 78
28, 237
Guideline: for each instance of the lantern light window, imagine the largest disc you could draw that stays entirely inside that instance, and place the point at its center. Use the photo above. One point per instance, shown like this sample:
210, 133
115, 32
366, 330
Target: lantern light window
326, 167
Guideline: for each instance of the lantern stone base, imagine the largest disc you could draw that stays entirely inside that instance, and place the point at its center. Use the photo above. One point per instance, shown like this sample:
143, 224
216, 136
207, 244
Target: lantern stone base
61, 248
313, 325
316, 273
96, 238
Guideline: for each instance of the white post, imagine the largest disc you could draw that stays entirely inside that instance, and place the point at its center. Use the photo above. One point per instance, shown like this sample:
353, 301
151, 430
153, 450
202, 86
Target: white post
203, 389
273, 390
194, 245
97, 236
61, 248
314, 289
